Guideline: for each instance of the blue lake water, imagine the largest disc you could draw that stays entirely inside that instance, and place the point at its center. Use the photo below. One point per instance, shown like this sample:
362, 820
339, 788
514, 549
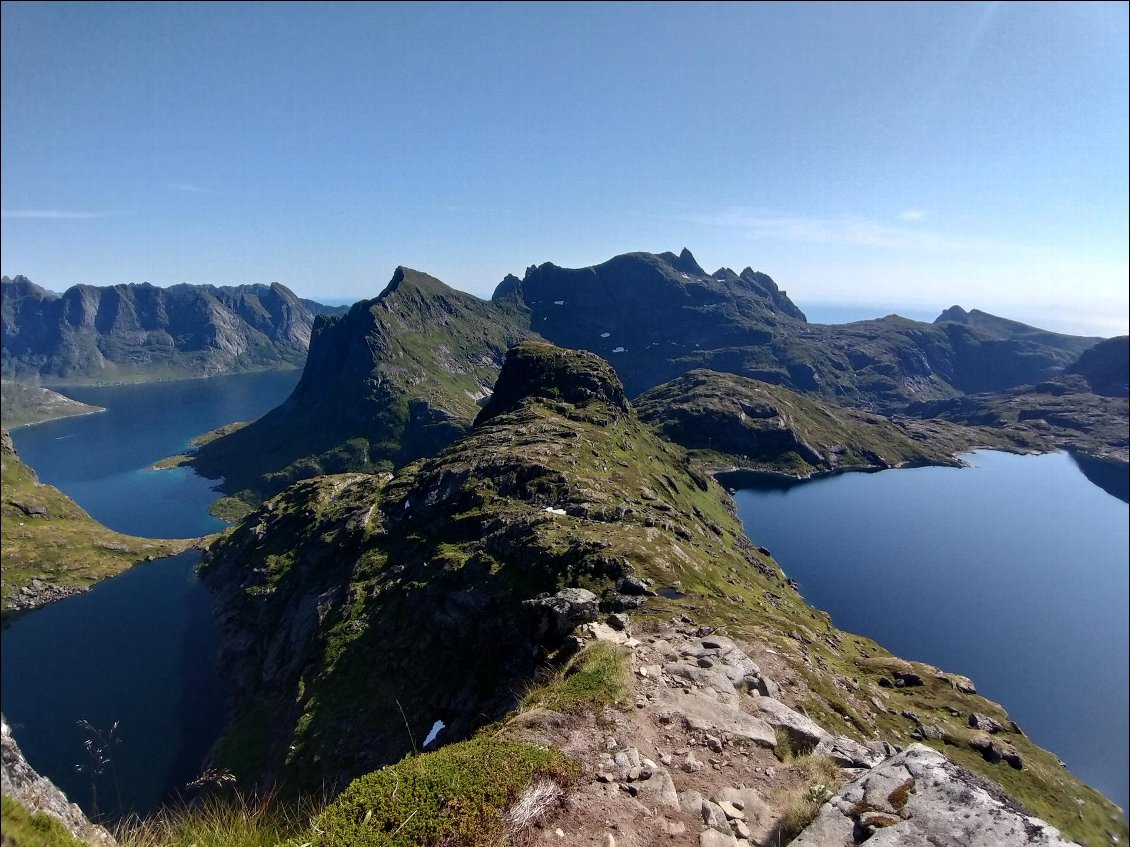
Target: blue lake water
139, 649
1013, 572
103, 461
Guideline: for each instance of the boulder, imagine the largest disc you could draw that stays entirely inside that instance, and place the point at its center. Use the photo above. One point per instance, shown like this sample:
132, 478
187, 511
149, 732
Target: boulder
922, 799
555, 616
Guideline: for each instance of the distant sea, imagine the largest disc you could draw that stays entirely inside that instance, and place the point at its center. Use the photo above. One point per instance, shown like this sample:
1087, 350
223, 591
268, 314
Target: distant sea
846, 313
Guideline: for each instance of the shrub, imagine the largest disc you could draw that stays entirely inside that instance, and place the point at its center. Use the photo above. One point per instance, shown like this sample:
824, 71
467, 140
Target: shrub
457, 795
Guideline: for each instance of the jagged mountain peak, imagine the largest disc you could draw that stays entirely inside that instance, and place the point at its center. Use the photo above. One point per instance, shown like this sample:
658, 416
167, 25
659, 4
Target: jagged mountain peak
953, 313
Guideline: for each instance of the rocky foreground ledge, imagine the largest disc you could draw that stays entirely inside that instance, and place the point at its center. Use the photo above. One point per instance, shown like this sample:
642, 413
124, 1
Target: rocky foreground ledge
39, 796
707, 753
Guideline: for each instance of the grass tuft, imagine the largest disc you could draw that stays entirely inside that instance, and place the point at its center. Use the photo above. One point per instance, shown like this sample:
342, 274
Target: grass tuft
594, 678
222, 821
464, 794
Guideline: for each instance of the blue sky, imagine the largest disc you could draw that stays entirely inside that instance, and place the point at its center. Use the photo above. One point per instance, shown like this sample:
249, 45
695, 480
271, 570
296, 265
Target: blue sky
896, 156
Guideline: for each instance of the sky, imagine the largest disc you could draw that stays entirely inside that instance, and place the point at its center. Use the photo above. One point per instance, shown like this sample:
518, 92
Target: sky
885, 157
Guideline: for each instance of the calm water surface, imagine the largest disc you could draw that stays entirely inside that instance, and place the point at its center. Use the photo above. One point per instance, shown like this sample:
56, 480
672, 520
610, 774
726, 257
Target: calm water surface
139, 649
103, 461
1013, 572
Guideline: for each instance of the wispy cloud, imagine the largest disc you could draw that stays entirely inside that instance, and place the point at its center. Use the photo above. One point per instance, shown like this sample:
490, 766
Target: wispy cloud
189, 188
854, 231
49, 214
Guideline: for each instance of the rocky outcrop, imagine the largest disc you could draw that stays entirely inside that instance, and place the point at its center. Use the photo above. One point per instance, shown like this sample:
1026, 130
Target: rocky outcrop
143, 331
1106, 367
36, 793
732, 421
919, 797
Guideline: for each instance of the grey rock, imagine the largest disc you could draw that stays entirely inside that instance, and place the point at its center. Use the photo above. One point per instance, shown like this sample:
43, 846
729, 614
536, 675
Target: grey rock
703, 714
802, 731
36, 793
690, 802
921, 798
659, 790
555, 616
714, 817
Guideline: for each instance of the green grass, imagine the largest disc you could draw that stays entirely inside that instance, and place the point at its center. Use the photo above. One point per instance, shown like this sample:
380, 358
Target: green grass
66, 546
594, 678
33, 829
460, 794
222, 821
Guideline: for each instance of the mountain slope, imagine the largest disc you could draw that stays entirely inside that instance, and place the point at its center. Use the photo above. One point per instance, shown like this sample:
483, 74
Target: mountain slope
127, 332
50, 547
657, 316
1106, 367
396, 378
728, 421
358, 610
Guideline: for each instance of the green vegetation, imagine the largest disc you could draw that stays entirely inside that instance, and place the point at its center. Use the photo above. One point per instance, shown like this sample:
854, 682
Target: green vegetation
21, 405
394, 379
22, 828
550, 489
48, 539
222, 821
594, 678
818, 778
460, 794
729, 421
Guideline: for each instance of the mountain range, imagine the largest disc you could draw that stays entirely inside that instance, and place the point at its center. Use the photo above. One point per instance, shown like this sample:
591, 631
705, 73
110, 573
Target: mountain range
414, 361
127, 332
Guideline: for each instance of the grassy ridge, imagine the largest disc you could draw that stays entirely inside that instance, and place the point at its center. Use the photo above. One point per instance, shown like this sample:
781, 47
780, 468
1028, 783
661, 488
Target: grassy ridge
46, 537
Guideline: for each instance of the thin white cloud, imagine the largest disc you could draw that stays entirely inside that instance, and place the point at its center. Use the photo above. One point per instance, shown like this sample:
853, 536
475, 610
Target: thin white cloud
48, 214
189, 188
853, 231
912, 215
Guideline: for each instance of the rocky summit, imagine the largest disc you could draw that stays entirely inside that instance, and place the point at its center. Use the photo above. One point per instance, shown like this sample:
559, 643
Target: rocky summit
396, 378
128, 332
403, 375
556, 631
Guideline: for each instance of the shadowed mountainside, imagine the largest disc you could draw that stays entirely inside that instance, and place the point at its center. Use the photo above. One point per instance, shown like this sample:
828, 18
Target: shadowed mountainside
141, 332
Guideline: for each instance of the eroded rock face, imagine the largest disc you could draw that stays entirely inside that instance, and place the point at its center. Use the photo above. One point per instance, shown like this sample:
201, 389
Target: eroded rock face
38, 794
920, 797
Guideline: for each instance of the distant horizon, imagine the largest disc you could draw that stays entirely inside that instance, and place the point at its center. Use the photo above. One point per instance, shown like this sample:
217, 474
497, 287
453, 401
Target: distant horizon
817, 311
973, 153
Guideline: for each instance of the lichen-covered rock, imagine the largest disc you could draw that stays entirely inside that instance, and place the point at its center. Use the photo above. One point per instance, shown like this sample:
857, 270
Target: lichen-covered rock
920, 797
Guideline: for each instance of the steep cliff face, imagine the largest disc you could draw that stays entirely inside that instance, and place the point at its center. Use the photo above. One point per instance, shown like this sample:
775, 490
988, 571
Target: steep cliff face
396, 378
655, 316
359, 610
142, 331
44, 814
1106, 367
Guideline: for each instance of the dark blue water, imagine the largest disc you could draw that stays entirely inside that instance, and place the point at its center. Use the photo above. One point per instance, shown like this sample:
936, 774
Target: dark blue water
139, 649
103, 461
1013, 573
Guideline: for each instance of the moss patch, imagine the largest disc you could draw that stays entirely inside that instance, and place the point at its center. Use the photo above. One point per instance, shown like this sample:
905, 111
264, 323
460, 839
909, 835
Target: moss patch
457, 795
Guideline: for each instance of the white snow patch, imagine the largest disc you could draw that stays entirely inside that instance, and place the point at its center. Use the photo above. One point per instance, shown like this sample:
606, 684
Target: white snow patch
605, 334
619, 349
437, 727
686, 276
558, 302
554, 511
